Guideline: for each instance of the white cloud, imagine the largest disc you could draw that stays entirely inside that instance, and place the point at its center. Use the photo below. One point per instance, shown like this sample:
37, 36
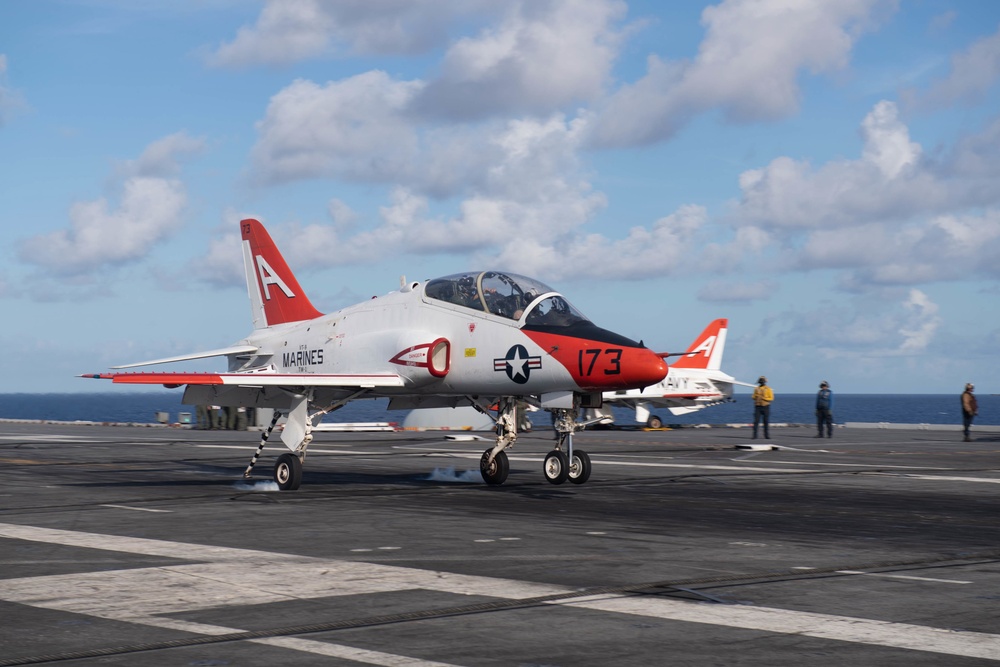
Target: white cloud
747, 66
514, 191
350, 129
222, 265
543, 56
148, 210
374, 128
887, 217
342, 215
160, 158
11, 100
887, 141
973, 72
356, 130
889, 181
921, 324
944, 248
291, 30
891, 325
525, 208
737, 291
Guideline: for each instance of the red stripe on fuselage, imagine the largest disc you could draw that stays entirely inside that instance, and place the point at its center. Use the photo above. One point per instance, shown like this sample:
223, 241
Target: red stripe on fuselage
600, 366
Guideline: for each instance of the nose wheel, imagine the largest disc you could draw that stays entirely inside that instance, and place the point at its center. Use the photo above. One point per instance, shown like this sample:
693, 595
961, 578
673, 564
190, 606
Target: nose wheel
579, 467
559, 467
556, 467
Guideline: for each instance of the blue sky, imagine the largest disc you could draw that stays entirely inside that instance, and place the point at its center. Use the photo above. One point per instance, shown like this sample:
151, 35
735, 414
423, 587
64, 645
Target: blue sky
823, 173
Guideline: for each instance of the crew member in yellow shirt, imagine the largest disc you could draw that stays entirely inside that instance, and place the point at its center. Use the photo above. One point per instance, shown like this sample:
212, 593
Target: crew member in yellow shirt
762, 397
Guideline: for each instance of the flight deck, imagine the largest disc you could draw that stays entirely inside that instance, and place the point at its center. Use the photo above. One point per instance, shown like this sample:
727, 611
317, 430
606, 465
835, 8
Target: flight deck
131, 545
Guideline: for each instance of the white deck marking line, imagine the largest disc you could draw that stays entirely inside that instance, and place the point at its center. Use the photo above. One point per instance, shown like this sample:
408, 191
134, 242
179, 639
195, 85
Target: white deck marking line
145, 595
855, 465
947, 478
350, 653
279, 448
297, 644
599, 461
136, 509
699, 466
903, 576
41, 437
822, 626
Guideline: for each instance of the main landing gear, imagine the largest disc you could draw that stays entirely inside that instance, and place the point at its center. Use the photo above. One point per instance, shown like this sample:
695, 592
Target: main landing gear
494, 465
296, 435
288, 467
561, 464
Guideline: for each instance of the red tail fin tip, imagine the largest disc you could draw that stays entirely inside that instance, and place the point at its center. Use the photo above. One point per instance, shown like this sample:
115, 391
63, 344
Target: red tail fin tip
706, 350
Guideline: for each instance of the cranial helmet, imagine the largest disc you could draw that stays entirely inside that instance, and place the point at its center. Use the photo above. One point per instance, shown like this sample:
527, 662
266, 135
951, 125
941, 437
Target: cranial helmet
762, 380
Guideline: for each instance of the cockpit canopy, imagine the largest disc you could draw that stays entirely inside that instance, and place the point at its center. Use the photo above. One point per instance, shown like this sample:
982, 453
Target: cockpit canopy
507, 295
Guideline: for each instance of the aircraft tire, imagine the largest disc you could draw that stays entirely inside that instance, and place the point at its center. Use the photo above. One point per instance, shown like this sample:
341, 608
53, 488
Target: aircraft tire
556, 467
654, 422
288, 472
495, 474
579, 469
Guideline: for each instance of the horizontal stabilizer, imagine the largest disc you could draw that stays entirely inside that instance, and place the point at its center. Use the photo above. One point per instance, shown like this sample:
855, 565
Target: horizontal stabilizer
237, 349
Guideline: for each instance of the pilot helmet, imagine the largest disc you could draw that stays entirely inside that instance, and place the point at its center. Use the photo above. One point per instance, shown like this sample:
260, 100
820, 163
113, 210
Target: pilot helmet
467, 285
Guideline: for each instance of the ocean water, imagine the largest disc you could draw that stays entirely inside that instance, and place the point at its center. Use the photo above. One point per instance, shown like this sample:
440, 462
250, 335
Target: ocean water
790, 408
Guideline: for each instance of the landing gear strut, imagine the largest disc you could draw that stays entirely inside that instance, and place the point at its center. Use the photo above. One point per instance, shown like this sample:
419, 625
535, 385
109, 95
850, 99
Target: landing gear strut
296, 436
494, 465
564, 462
561, 464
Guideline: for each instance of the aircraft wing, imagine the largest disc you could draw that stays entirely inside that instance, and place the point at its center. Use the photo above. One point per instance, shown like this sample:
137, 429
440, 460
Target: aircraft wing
175, 379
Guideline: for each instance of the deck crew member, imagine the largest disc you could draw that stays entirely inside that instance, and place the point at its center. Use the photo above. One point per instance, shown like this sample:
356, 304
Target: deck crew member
824, 409
762, 397
970, 408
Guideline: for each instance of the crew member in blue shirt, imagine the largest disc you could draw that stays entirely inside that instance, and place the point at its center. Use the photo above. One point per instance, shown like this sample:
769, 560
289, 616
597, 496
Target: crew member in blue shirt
824, 409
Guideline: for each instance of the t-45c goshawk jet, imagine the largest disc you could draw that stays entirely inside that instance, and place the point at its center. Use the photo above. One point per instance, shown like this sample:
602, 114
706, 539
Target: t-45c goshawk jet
482, 338
695, 382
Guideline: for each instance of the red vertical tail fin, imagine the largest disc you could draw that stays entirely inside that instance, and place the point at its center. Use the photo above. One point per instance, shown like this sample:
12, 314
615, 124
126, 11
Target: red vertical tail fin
706, 351
275, 295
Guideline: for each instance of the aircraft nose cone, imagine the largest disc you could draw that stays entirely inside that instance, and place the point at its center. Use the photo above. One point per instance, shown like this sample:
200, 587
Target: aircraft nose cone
647, 369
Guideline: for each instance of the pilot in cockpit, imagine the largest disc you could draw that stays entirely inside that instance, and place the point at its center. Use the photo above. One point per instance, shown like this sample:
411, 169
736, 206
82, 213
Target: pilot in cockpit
468, 294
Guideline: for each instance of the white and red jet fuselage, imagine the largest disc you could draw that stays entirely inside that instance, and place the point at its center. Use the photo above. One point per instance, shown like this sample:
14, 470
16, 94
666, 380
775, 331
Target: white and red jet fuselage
474, 338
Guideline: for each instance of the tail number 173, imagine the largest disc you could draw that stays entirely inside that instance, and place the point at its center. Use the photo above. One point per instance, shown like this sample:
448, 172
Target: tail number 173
587, 359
